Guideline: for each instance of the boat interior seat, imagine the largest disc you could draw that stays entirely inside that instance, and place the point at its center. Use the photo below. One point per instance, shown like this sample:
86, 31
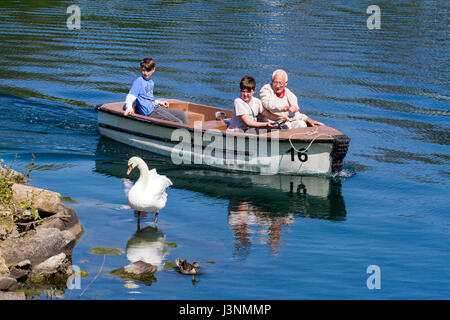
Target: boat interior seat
194, 116
212, 118
214, 124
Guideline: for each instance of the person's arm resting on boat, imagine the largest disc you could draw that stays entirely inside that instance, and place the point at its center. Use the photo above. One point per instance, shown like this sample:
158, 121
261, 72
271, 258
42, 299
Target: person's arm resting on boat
300, 116
313, 123
162, 103
255, 124
129, 104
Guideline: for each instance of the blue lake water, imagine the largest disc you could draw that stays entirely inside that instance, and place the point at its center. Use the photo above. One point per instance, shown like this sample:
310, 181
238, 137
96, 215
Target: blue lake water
277, 237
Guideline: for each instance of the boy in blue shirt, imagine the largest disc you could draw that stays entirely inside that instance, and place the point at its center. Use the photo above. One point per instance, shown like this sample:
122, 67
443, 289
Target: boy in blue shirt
140, 98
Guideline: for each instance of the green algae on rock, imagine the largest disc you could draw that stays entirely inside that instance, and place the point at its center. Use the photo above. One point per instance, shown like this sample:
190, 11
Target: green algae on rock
169, 265
111, 251
171, 244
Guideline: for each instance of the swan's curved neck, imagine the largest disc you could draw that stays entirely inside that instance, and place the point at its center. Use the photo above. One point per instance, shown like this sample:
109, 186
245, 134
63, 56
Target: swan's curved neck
143, 169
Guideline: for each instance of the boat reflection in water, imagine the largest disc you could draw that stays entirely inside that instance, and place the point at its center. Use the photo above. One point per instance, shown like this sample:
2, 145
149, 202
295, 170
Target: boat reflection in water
259, 206
247, 219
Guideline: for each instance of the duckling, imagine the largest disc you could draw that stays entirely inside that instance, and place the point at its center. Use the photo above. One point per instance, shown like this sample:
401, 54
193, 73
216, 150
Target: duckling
187, 268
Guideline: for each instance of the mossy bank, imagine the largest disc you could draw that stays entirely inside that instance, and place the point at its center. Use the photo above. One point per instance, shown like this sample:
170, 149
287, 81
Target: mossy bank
37, 235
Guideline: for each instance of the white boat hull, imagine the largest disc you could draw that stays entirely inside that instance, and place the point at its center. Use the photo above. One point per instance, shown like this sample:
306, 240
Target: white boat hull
220, 149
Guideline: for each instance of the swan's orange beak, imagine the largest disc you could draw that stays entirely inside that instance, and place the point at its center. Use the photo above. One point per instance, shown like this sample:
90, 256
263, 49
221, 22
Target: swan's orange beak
130, 168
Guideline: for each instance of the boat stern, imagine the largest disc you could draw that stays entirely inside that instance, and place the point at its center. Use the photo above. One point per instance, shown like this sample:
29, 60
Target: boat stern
339, 151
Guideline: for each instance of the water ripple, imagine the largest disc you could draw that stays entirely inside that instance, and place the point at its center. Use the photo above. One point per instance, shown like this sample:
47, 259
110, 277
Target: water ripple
389, 81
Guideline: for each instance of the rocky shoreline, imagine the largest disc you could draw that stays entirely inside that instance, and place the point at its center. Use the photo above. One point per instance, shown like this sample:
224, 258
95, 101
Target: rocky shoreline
37, 235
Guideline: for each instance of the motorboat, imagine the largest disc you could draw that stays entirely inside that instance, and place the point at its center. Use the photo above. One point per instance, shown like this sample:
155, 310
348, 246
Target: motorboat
206, 141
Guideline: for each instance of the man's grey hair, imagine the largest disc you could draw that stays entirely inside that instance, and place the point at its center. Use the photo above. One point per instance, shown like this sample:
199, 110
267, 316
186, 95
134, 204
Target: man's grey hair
280, 72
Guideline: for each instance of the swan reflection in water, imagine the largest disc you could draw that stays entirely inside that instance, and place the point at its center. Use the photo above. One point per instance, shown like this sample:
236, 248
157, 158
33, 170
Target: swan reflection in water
149, 245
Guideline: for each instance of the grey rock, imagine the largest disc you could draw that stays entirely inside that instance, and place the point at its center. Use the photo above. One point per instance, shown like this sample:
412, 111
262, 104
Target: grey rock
37, 246
64, 219
7, 226
42, 200
12, 296
4, 271
7, 283
25, 264
20, 275
52, 264
140, 267
138, 271
12, 175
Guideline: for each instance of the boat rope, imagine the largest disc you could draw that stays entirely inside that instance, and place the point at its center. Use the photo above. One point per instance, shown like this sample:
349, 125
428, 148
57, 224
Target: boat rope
309, 133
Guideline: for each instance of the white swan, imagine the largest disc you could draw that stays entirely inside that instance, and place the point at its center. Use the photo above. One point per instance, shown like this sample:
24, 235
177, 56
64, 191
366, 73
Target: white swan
149, 192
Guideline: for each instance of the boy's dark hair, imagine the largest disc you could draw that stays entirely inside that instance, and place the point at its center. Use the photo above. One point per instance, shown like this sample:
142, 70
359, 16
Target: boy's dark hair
248, 83
148, 64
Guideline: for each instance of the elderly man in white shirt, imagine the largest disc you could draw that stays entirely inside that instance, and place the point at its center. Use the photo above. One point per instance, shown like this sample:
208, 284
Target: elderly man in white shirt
279, 100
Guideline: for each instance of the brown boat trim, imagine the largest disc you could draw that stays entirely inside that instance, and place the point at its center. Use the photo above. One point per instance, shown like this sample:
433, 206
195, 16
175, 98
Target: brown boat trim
138, 134
163, 123
144, 135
